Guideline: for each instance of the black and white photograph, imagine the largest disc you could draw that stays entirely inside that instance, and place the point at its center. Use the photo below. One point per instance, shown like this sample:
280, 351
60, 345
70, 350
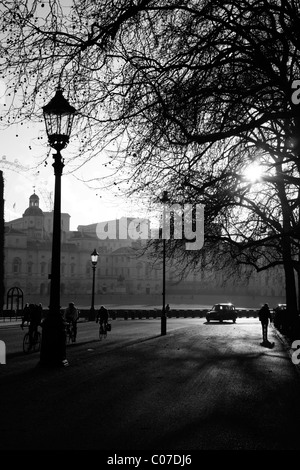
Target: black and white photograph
150, 230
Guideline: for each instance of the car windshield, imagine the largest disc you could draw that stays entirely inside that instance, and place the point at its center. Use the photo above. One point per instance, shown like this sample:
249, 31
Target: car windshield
222, 307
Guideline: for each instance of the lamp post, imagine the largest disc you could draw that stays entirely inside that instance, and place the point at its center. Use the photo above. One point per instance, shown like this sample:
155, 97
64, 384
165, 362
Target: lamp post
94, 259
58, 116
164, 200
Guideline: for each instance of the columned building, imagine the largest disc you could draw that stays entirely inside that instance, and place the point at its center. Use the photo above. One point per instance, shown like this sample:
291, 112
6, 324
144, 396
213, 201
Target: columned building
121, 268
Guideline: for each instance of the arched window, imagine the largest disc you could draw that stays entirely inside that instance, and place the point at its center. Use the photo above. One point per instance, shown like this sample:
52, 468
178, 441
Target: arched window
29, 268
43, 268
17, 264
42, 289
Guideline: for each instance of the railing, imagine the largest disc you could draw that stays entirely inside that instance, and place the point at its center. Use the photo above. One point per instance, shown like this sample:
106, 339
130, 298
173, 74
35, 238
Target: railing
10, 315
132, 314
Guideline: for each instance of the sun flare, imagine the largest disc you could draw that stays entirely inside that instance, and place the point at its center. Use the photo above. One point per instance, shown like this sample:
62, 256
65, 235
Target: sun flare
253, 172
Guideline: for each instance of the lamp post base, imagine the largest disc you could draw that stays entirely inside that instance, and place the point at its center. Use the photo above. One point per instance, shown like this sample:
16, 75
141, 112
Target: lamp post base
53, 345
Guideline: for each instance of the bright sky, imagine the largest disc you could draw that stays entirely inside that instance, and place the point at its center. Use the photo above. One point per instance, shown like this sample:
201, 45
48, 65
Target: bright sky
21, 146
85, 205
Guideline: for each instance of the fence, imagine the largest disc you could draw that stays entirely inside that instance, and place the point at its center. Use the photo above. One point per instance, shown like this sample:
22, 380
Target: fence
132, 314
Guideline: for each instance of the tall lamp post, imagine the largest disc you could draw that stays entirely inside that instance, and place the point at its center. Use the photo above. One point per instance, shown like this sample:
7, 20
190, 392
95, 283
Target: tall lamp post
164, 200
94, 259
58, 116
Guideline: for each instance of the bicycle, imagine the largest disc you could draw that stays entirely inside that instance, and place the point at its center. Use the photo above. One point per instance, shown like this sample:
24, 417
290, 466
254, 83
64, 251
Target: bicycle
33, 346
70, 333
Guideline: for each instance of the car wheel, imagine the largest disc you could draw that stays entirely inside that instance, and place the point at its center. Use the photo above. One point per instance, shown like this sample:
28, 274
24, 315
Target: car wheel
221, 321
234, 320
207, 320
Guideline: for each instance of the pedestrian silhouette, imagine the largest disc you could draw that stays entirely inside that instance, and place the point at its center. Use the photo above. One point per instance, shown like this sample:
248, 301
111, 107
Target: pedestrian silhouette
264, 317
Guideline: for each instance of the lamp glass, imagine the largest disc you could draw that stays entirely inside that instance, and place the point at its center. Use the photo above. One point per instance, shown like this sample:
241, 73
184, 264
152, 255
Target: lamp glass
94, 257
58, 116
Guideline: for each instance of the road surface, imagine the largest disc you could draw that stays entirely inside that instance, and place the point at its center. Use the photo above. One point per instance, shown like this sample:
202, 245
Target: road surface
200, 387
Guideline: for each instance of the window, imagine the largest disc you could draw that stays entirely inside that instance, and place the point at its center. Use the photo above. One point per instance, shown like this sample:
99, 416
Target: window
17, 263
43, 268
29, 268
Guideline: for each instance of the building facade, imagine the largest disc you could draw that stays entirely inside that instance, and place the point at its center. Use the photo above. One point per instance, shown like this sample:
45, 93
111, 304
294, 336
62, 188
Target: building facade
122, 267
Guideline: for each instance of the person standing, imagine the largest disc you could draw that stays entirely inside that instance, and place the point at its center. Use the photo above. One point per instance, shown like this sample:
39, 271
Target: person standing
264, 317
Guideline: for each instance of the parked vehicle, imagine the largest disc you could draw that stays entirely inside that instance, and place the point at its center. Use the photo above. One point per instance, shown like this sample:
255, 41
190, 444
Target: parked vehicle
279, 316
220, 312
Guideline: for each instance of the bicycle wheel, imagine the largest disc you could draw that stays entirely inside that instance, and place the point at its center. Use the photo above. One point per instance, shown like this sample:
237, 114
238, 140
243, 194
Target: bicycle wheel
26, 343
37, 342
100, 333
73, 334
68, 334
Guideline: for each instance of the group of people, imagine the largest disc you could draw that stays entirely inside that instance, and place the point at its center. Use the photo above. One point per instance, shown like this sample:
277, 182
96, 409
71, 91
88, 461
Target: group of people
32, 315
71, 316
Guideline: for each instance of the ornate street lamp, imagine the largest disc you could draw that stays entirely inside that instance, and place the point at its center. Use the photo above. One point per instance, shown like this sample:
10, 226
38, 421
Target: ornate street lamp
58, 116
94, 259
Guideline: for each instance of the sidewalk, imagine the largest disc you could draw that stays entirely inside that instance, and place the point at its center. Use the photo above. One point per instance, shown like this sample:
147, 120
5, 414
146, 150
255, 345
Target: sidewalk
208, 388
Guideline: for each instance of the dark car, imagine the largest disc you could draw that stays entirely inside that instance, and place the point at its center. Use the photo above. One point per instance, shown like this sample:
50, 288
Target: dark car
220, 312
279, 316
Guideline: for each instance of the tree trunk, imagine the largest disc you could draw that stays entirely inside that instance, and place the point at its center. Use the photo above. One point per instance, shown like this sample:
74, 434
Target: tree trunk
290, 288
1, 241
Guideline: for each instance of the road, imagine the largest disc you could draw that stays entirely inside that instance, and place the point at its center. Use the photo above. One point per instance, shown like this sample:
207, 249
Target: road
123, 332
200, 387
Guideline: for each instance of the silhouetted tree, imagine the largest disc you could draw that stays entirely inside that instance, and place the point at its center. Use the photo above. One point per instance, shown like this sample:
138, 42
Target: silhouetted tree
185, 95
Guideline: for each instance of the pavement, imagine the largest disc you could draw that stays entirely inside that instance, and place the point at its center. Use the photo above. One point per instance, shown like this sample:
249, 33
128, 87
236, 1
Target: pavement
178, 393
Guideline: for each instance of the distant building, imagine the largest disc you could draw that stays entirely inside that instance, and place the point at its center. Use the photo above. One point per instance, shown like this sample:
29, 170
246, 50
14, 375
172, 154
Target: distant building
28, 249
122, 267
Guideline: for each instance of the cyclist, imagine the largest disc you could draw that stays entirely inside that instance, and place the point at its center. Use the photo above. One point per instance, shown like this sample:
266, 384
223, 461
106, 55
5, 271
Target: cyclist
102, 317
31, 315
71, 316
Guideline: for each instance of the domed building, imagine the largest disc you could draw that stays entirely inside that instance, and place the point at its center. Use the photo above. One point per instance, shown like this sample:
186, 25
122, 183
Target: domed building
121, 269
33, 218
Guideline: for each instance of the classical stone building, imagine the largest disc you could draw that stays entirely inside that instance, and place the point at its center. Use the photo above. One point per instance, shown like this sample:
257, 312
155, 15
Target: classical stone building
121, 268
28, 246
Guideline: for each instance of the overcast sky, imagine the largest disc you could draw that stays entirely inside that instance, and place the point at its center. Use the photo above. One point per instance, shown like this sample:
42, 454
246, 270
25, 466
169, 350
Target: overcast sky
21, 147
